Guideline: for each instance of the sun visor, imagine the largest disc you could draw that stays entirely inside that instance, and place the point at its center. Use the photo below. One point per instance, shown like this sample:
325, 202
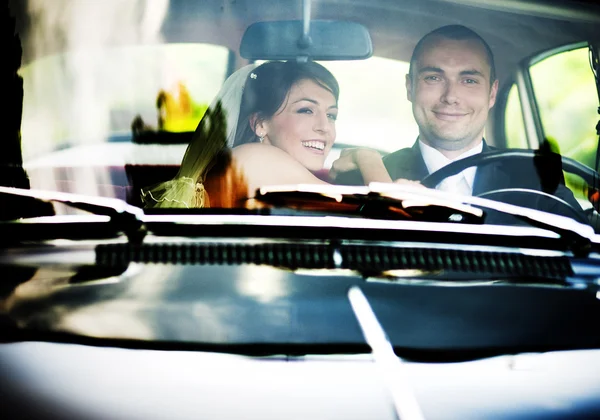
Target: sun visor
326, 40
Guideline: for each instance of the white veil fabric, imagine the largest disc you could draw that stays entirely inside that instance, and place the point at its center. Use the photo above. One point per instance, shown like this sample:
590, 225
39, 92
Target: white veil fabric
215, 132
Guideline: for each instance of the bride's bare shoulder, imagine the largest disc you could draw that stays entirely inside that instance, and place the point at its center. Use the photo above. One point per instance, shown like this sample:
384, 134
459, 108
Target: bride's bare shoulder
263, 164
254, 156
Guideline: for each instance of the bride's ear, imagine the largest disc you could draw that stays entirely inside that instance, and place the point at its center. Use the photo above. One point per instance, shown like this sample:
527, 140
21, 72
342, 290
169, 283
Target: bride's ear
258, 125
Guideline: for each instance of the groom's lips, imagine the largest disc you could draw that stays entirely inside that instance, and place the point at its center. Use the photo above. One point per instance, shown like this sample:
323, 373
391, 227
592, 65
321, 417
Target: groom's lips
449, 115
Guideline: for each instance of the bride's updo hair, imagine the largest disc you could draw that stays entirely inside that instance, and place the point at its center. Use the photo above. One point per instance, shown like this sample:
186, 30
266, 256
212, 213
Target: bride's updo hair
267, 88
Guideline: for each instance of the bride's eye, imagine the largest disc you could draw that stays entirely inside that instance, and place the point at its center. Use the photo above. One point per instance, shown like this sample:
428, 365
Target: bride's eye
332, 117
305, 111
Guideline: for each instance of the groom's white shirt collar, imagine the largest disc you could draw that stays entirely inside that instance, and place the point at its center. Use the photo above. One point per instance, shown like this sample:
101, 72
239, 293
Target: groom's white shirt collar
435, 160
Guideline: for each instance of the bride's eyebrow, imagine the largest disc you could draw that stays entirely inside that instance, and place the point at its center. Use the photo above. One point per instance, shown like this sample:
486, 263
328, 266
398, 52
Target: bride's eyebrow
313, 101
306, 99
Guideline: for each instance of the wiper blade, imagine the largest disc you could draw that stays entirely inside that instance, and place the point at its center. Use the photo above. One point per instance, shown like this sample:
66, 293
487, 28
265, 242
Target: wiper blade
423, 204
368, 202
579, 236
125, 216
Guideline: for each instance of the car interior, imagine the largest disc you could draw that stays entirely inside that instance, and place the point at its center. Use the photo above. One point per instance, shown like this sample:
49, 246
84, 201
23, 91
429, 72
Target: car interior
521, 35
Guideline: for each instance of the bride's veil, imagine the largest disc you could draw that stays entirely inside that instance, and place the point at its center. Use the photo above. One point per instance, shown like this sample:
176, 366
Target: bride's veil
216, 130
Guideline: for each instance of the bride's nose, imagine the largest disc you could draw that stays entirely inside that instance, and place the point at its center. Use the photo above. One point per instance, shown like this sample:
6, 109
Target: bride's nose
321, 123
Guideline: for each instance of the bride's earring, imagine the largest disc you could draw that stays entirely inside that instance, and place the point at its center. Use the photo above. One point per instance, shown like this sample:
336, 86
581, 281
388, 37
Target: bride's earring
261, 137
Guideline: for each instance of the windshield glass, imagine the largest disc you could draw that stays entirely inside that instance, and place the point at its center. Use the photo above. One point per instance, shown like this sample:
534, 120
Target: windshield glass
115, 94
277, 205
229, 176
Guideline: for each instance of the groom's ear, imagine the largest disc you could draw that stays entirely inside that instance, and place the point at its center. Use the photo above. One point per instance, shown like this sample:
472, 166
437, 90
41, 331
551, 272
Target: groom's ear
408, 84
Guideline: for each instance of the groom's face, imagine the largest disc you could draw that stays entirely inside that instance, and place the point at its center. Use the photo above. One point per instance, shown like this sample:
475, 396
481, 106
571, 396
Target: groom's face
304, 126
451, 94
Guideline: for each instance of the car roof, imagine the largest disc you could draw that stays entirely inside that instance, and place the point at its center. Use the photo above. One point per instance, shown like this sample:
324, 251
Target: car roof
514, 29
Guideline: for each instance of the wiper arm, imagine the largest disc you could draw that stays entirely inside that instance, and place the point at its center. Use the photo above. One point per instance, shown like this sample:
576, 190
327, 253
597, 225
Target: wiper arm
125, 216
578, 236
385, 200
368, 202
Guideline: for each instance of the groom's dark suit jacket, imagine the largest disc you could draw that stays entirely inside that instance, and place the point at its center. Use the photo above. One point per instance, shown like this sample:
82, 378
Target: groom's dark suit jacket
408, 163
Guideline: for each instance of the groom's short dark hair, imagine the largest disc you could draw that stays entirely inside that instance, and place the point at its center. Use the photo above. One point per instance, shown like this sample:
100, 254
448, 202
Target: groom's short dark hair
457, 33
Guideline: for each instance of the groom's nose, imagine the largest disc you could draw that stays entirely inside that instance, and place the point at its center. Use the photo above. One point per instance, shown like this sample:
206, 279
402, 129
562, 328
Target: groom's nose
450, 92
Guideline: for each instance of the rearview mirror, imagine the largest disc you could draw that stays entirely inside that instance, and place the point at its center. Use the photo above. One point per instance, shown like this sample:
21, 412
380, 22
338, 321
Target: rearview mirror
327, 40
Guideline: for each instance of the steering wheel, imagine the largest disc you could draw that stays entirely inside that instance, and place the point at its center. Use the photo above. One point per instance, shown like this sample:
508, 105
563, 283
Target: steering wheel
590, 176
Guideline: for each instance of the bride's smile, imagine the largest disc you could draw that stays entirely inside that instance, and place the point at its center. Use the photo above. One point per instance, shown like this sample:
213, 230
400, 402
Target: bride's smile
304, 126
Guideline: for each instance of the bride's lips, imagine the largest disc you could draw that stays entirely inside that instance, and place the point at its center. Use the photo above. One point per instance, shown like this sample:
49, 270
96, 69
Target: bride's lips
316, 146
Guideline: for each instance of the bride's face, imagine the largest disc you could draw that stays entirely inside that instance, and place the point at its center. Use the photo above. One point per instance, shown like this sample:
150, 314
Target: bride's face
304, 126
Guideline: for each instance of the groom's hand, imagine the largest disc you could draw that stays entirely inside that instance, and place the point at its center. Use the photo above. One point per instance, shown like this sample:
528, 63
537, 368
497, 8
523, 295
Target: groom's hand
409, 182
345, 163
367, 161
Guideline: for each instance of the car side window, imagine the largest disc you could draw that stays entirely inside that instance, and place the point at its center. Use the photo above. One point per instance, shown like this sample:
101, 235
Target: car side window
79, 108
374, 111
120, 83
565, 91
513, 123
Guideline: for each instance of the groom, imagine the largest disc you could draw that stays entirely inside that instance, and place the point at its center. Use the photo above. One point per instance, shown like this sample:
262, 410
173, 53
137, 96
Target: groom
452, 86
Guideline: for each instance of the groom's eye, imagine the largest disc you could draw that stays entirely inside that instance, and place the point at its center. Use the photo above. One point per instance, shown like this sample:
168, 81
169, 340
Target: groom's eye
432, 78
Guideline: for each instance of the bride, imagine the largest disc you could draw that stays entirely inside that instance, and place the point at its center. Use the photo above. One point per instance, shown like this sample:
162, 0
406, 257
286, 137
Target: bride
270, 124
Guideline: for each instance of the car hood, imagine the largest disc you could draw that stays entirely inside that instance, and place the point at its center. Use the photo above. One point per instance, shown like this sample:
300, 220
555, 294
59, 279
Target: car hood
96, 383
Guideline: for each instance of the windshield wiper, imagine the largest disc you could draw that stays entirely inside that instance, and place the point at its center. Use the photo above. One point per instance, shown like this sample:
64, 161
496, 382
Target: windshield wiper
378, 200
125, 217
368, 202
384, 200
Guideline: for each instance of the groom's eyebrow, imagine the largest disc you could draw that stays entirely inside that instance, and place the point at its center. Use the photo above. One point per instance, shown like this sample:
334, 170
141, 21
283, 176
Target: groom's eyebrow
314, 102
432, 69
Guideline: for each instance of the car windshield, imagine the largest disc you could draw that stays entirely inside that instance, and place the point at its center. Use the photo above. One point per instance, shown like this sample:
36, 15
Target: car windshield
114, 92
390, 200
373, 137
